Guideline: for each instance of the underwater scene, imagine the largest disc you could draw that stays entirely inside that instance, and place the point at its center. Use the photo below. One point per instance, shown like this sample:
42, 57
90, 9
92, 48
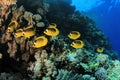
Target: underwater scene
106, 14
59, 40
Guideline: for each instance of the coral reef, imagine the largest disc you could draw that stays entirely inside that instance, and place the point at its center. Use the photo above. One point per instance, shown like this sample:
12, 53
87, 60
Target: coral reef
66, 75
49, 40
5, 4
101, 74
113, 70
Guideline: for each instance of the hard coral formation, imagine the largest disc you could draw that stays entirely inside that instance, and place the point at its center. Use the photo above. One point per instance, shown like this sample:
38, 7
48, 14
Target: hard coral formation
5, 4
66, 75
28, 17
101, 74
51, 57
17, 12
114, 70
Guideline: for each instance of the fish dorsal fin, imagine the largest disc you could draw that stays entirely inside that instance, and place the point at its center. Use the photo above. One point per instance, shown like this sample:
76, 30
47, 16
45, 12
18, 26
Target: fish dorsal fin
39, 37
78, 42
52, 29
19, 30
28, 27
75, 32
13, 24
52, 25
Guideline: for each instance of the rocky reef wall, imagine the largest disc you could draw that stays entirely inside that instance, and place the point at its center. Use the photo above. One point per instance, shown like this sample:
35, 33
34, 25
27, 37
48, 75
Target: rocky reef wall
35, 43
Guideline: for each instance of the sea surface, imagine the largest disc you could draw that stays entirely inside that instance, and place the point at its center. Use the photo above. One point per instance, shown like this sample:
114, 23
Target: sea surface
106, 14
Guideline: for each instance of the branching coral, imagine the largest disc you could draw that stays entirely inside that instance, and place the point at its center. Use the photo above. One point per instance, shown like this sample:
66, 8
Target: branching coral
43, 65
18, 13
66, 75
5, 37
12, 48
5, 5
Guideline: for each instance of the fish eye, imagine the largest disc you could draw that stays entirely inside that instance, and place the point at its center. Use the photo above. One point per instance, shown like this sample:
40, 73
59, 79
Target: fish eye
71, 44
70, 34
15, 34
34, 43
23, 33
46, 30
8, 29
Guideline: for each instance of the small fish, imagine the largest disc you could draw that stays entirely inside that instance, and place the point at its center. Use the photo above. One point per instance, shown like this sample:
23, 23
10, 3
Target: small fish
28, 32
51, 31
40, 42
77, 44
18, 33
100, 49
12, 26
74, 35
52, 25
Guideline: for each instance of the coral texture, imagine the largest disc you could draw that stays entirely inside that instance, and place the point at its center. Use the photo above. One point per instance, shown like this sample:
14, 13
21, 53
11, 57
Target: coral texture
5, 4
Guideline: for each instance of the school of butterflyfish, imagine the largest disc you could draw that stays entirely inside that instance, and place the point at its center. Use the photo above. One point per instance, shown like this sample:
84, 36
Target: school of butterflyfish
52, 31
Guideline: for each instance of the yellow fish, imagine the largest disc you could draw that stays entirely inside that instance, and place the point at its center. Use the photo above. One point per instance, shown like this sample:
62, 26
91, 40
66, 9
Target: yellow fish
51, 31
12, 26
77, 44
100, 49
40, 42
18, 33
52, 25
74, 35
29, 32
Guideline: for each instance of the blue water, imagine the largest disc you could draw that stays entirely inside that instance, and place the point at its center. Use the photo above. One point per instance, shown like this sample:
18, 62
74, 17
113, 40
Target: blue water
106, 14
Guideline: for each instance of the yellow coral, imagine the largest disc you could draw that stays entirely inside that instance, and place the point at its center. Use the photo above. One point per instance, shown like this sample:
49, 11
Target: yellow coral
18, 33
77, 44
40, 42
51, 31
100, 49
74, 35
12, 26
29, 32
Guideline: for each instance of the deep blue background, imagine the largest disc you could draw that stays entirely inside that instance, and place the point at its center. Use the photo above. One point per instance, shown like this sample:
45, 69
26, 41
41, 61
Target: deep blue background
107, 17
